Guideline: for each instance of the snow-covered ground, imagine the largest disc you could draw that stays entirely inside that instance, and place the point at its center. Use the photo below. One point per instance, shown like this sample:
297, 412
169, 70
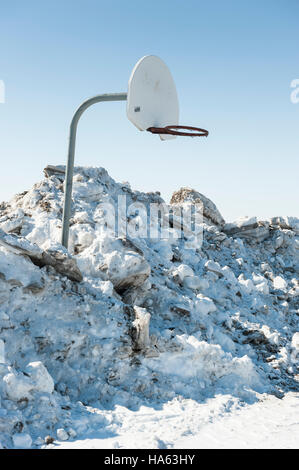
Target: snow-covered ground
128, 340
219, 423
271, 423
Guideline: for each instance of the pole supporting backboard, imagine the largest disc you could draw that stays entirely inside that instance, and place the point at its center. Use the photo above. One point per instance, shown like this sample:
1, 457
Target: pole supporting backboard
71, 157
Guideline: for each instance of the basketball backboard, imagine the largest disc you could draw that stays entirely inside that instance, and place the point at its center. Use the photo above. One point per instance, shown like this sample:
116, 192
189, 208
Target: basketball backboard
152, 98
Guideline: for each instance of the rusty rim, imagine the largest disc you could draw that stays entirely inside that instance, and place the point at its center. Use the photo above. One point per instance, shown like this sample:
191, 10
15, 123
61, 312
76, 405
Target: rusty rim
179, 130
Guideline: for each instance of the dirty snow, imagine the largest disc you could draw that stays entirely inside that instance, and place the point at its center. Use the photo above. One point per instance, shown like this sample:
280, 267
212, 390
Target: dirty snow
162, 344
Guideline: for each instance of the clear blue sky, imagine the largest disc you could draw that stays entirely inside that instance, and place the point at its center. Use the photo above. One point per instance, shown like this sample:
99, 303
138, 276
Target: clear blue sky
232, 61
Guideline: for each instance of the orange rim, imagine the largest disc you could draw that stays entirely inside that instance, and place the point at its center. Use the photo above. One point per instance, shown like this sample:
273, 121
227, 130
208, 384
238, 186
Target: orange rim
179, 130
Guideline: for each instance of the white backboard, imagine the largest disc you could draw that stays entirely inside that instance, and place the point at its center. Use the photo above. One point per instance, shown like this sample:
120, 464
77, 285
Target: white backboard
152, 98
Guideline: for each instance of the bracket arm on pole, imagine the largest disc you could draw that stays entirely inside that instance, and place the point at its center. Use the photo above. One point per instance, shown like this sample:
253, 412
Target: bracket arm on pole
71, 157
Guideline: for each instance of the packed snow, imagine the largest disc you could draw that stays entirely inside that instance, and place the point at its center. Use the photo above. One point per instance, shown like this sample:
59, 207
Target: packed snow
128, 340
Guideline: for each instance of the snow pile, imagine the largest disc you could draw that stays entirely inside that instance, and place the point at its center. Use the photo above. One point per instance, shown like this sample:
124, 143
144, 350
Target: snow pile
151, 321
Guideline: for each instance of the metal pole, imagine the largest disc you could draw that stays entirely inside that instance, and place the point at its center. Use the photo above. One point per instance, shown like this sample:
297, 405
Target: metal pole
71, 156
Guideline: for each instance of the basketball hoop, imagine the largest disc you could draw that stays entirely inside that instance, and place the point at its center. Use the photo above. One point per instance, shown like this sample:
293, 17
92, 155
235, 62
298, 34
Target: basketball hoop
151, 101
174, 130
